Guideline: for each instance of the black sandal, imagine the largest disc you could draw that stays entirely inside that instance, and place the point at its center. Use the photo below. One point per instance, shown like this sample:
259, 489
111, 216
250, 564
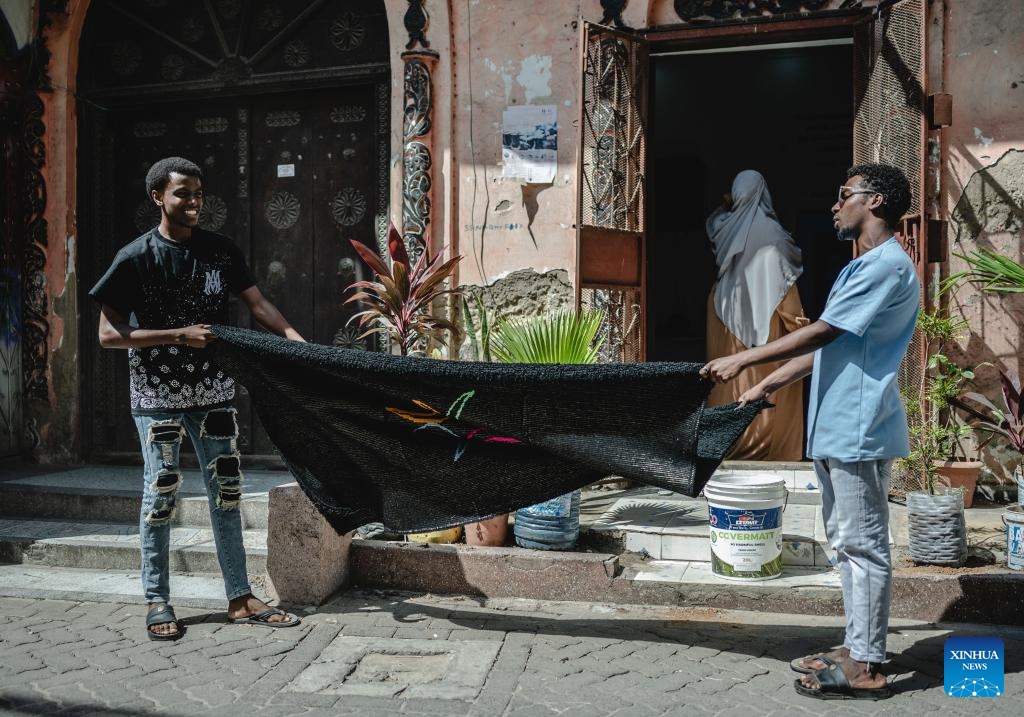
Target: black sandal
161, 616
833, 685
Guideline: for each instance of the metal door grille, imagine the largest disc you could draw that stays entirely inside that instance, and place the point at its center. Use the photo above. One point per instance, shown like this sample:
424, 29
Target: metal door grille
889, 121
614, 139
612, 192
889, 127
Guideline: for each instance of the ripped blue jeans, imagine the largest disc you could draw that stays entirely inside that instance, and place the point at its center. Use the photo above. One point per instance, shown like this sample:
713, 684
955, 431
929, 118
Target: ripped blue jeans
214, 435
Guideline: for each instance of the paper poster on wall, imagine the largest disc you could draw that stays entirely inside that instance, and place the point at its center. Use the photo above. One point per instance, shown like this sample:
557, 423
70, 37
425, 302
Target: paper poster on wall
529, 143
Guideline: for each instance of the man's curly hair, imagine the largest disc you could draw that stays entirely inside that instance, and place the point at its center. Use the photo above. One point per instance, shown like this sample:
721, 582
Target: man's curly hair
891, 183
160, 173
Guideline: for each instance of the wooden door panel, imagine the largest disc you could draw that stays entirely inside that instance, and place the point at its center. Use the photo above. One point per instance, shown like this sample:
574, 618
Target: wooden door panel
345, 207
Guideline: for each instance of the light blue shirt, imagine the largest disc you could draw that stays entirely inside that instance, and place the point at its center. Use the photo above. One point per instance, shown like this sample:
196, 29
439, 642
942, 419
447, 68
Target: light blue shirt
855, 411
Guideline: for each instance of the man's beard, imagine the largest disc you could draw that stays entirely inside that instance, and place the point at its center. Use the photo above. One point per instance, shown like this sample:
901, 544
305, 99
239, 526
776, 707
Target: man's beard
846, 234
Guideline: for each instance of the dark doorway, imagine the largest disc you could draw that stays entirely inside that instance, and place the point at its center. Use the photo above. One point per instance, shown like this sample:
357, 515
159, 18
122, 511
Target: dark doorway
784, 110
287, 112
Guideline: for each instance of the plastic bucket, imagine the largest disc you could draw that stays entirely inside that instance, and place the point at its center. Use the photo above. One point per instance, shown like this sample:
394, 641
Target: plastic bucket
745, 521
1013, 519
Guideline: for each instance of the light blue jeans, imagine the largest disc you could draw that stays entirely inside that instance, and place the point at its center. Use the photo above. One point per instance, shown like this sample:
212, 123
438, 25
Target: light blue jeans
855, 508
214, 435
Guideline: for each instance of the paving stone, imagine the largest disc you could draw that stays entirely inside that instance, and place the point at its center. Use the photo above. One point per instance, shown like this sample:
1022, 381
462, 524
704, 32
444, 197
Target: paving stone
369, 631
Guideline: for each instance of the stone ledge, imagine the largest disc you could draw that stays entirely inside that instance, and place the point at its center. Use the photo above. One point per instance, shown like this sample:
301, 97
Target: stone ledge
307, 560
471, 570
982, 597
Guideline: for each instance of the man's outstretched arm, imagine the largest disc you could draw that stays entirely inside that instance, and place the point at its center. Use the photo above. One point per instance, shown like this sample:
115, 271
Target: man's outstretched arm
787, 373
803, 341
267, 315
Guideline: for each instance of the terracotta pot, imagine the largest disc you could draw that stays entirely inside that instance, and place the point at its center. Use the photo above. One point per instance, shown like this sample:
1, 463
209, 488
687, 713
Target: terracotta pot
490, 532
450, 535
959, 474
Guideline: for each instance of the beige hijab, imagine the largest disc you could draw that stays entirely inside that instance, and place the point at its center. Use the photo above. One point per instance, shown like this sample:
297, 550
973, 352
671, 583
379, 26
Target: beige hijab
757, 259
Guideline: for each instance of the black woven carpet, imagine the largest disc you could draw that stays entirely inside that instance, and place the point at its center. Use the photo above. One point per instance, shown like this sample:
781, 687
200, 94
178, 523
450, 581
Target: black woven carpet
421, 444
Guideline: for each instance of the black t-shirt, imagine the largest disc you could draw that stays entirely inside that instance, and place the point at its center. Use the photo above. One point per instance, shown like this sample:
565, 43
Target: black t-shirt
167, 285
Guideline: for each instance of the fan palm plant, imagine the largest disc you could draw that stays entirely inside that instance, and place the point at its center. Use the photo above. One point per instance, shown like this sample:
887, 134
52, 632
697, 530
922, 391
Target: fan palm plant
562, 337
399, 302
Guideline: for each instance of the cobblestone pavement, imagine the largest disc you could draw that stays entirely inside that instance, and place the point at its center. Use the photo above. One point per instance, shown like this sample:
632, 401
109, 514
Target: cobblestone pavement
382, 654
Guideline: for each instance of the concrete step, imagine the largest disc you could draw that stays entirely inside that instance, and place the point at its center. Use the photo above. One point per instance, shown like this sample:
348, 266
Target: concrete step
85, 504
114, 494
115, 546
198, 590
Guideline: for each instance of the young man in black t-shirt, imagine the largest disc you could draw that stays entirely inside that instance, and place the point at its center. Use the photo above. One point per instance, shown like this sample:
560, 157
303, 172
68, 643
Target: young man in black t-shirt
159, 298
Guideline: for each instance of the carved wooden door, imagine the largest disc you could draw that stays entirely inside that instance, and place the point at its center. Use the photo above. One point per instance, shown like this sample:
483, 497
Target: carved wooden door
316, 184
611, 239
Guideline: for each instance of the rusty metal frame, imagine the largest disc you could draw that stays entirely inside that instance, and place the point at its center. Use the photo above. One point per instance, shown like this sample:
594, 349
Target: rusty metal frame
612, 258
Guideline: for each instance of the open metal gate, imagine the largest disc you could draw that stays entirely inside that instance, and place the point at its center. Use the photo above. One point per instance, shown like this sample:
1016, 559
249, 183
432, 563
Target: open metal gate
890, 127
611, 251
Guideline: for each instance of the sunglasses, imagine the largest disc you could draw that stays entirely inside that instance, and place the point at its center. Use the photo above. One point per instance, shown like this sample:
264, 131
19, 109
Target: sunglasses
846, 192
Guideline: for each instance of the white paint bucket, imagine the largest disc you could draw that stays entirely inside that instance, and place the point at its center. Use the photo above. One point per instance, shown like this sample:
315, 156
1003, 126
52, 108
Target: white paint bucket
1013, 519
745, 521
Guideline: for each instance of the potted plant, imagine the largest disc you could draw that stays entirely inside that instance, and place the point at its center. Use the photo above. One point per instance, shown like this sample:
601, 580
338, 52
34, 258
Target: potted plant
398, 306
399, 303
941, 431
491, 531
565, 337
937, 530
1004, 422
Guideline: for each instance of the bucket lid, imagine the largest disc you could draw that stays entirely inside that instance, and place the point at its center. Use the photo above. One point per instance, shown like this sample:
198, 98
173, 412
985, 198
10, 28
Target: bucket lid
744, 480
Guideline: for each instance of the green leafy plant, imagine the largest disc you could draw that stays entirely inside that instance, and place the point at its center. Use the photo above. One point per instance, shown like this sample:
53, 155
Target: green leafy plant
480, 348
400, 301
561, 337
991, 271
937, 433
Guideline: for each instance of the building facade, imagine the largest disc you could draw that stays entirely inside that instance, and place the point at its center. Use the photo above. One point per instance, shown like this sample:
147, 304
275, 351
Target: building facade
569, 152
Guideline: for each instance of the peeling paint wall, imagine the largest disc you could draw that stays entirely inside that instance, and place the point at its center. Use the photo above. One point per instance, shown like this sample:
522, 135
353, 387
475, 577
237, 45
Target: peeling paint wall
521, 293
983, 181
57, 422
506, 56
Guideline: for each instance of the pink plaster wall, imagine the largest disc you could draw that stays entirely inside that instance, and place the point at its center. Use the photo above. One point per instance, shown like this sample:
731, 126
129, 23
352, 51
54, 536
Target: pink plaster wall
984, 173
512, 54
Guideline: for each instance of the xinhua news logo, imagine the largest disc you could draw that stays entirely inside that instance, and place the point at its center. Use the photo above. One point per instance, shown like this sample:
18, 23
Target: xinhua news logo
974, 667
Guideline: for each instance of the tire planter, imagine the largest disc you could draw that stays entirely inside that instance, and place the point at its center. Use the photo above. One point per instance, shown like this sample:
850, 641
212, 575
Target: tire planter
936, 528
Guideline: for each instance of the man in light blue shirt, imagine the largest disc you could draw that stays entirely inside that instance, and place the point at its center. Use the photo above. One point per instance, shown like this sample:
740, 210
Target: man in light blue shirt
856, 424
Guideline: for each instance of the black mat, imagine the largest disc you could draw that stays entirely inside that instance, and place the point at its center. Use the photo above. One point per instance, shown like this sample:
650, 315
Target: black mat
422, 444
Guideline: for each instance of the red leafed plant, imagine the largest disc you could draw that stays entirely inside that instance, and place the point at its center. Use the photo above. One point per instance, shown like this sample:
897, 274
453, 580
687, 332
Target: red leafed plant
1006, 421
399, 302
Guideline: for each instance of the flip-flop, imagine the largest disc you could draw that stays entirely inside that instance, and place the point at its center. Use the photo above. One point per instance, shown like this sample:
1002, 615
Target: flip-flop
162, 616
262, 619
797, 665
833, 685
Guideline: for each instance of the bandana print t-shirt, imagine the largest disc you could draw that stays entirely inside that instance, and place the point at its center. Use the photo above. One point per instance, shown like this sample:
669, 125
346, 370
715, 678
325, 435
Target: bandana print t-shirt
166, 285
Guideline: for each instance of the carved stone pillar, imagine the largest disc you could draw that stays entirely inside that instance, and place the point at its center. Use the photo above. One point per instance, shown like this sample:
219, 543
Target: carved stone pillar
24, 328
417, 152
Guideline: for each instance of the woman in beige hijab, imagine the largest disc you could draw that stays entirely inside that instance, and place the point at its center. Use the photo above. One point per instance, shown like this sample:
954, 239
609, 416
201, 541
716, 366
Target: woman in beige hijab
754, 301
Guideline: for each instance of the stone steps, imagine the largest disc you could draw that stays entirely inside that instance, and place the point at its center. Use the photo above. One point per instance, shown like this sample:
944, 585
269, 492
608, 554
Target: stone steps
73, 534
115, 546
76, 532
